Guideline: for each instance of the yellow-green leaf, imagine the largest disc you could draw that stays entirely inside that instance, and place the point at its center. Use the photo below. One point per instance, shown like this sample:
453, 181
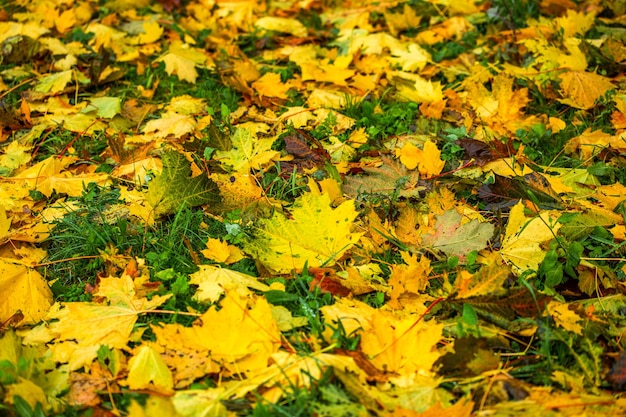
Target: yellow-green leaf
315, 234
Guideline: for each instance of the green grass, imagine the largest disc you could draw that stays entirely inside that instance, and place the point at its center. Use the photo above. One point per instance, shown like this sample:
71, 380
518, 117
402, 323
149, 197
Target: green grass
78, 240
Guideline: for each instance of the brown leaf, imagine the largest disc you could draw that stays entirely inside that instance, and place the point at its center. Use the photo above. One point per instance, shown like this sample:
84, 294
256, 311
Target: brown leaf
307, 153
617, 375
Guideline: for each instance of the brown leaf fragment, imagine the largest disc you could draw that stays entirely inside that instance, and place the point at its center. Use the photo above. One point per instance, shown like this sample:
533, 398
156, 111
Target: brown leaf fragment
373, 374
324, 279
501, 311
617, 374
506, 192
471, 357
307, 152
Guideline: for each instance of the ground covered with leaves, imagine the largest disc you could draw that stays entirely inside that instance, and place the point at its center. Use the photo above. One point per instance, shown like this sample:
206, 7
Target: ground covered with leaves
220, 208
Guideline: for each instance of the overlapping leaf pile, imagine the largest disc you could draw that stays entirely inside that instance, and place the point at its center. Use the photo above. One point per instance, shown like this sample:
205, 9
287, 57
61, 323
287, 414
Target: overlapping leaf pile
457, 174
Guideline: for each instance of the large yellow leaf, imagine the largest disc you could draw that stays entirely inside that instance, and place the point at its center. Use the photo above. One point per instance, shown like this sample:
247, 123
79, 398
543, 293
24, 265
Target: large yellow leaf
52, 174
315, 234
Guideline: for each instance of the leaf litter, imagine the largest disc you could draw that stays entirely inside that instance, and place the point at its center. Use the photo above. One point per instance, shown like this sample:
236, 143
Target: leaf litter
408, 208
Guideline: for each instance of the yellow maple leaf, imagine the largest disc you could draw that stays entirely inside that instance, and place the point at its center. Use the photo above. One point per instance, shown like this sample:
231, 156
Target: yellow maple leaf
489, 280
147, 370
428, 160
248, 151
575, 23
15, 155
152, 32
523, 237
316, 235
325, 71
213, 281
404, 346
78, 329
408, 278
240, 336
282, 24
24, 290
581, 89
53, 83
270, 85
398, 22
412, 87
220, 251
170, 123
50, 175
181, 59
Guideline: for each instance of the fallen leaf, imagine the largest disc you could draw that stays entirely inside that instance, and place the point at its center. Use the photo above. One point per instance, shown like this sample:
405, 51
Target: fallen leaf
315, 234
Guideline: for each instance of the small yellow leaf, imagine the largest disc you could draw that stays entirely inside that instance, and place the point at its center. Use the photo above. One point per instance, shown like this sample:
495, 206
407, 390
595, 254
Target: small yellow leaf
146, 370
15, 155
431, 163
427, 161
53, 83
152, 32
575, 23
248, 151
174, 124
270, 85
181, 59
410, 155
420, 90
219, 251
213, 281
565, 317
282, 24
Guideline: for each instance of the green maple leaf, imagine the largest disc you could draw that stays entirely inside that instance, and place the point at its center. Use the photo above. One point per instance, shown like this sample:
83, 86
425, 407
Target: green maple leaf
175, 187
